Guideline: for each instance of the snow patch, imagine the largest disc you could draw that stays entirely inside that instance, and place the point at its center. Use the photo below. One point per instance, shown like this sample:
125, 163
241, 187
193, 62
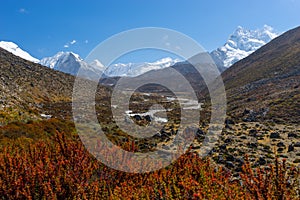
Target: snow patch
16, 50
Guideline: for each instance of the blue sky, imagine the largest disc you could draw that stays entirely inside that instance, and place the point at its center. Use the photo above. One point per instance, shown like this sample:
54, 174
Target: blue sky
45, 27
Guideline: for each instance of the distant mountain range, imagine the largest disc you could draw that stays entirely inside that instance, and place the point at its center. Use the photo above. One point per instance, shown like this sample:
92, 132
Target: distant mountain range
135, 69
264, 85
63, 60
240, 44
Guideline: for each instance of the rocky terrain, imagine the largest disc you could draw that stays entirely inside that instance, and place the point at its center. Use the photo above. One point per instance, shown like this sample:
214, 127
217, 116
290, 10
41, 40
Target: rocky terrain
267, 82
25, 86
262, 92
263, 99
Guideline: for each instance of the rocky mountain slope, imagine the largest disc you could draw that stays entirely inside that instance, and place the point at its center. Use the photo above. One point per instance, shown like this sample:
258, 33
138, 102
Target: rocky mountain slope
267, 82
25, 87
16, 50
263, 98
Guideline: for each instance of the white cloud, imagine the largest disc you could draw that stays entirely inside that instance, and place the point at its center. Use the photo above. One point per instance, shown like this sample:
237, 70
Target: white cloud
86, 41
73, 42
68, 44
23, 11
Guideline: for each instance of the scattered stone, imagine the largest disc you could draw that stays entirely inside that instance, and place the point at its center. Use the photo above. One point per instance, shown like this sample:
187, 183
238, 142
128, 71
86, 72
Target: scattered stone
280, 149
253, 132
294, 135
262, 161
291, 148
157, 136
148, 118
229, 164
196, 147
280, 144
200, 134
240, 161
297, 144
260, 137
243, 137
223, 147
143, 146
228, 126
229, 122
247, 111
252, 145
239, 169
283, 156
220, 159
266, 147
167, 133
230, 158
297, 160
228, 140
165, 147
275, 135
251, 99
137, 117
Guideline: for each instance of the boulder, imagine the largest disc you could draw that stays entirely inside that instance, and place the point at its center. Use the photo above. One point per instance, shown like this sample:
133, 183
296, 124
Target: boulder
291, 148
275, 135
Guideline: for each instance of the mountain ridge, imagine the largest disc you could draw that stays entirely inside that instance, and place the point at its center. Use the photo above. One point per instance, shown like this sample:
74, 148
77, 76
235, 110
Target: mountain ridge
267, 81
241, 43
16, 50
70, 63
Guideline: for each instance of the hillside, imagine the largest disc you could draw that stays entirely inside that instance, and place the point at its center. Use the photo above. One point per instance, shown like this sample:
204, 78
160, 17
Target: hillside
266, 83
25, 87
16, 50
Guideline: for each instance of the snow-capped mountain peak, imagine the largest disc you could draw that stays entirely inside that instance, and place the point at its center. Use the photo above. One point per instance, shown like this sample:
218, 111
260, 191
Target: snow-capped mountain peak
60, 57
242, 43
70, 63
16, 50
97, 64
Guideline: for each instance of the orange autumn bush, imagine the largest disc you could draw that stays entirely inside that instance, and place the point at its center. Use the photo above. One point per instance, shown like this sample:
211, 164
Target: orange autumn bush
61, 168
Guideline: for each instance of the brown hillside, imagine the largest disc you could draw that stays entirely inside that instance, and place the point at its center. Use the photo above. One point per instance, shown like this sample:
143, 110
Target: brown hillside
265, 85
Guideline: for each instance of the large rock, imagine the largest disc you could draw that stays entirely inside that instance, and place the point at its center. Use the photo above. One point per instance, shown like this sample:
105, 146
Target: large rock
275, 135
